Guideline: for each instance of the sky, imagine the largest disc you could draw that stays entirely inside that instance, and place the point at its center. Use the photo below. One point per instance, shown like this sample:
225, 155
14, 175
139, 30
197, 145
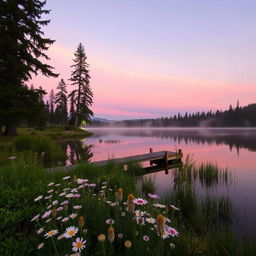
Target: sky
153, 58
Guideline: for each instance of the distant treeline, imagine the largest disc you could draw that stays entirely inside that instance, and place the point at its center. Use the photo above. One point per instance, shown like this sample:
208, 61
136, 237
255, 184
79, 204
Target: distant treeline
233, 117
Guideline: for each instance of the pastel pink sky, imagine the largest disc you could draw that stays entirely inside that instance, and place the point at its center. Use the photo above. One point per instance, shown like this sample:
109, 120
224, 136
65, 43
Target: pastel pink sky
156, 74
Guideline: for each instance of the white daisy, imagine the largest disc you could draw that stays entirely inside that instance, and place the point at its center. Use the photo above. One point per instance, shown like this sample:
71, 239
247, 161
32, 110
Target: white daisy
78, 245
70, 232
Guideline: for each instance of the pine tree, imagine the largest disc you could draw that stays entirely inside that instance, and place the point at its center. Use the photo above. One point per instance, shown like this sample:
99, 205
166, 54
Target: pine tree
82, 95
22, 51
52, 106
61, 103
72, 110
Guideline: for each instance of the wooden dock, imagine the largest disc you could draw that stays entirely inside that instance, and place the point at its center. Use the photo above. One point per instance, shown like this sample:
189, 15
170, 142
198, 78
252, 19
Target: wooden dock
160, 157
160, 160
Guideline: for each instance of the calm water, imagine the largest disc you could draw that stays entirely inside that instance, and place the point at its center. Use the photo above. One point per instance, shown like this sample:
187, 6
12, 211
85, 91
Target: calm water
234, 149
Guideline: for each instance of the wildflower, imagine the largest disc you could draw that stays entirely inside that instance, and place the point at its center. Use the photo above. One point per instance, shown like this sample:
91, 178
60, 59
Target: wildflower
70, 195
12, 157
62, 194
122, 214
110, 221
48, 197
60, 237
172, 231
111, 234
128, 244
146, 238
38, 198
76, 195
66, 189
151, 220
101, 238
51, 233
77, 207
159, 205
50, 191
92, 185
74, 190
70, 232
172, 245
49, 206
64, 202
50, 184
59, 218
174, 207
160, 224
153, 196
48, 220
104, 183
46, 214
40, 246
57, 185
81, 222
66, 178
131, 206
120, 194
108, 202
73, 215
65, 219
139, 213
81, 181
167, 219
120, 236
140, 220
35, 217
140, 201
113, 204
60, 209
78, 245
39, 231
55, 202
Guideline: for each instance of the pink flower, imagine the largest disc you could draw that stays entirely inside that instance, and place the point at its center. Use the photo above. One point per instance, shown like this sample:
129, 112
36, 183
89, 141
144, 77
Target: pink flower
153, 196
146, 238
172, 231
140, 201
174, 207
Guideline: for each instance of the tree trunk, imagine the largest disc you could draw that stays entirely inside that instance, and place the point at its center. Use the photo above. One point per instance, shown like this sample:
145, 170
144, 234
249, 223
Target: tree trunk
10, 130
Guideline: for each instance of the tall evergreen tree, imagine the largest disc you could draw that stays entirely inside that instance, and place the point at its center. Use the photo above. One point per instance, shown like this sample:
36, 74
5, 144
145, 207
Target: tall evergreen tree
82, 95
22, 50
61, 111
51, 106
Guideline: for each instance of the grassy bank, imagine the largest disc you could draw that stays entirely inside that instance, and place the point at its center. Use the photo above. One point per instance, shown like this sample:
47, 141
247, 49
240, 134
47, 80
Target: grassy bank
203, 225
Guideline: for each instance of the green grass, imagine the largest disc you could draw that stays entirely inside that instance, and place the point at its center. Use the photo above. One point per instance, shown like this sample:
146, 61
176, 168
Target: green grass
204, 224
55, 132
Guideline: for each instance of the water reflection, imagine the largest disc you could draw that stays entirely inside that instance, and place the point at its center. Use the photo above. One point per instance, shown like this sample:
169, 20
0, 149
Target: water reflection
76, 151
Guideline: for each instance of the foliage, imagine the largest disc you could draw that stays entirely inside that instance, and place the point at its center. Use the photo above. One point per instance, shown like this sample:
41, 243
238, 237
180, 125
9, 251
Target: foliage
22, 47
81, 97
61, 112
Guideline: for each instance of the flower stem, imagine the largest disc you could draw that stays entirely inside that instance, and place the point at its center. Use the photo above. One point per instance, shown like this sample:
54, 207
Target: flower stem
55, 248
103, 249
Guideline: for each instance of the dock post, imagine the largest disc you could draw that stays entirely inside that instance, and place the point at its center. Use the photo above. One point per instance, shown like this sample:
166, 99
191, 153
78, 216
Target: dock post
150, 150
166, 162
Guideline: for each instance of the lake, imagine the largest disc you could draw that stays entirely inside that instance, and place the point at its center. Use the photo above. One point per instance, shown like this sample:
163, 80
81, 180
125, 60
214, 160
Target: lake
234, 149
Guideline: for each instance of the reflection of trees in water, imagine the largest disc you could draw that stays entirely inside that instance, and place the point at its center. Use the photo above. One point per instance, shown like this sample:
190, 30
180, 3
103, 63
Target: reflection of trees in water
77, 151
234, 138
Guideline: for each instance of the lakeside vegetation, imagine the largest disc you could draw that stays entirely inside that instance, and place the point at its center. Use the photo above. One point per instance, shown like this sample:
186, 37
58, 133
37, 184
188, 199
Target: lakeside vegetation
203, 224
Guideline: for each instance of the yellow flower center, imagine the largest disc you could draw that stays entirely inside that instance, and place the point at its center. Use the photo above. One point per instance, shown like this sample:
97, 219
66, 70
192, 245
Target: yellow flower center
79, 244
51, 233
71, 232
